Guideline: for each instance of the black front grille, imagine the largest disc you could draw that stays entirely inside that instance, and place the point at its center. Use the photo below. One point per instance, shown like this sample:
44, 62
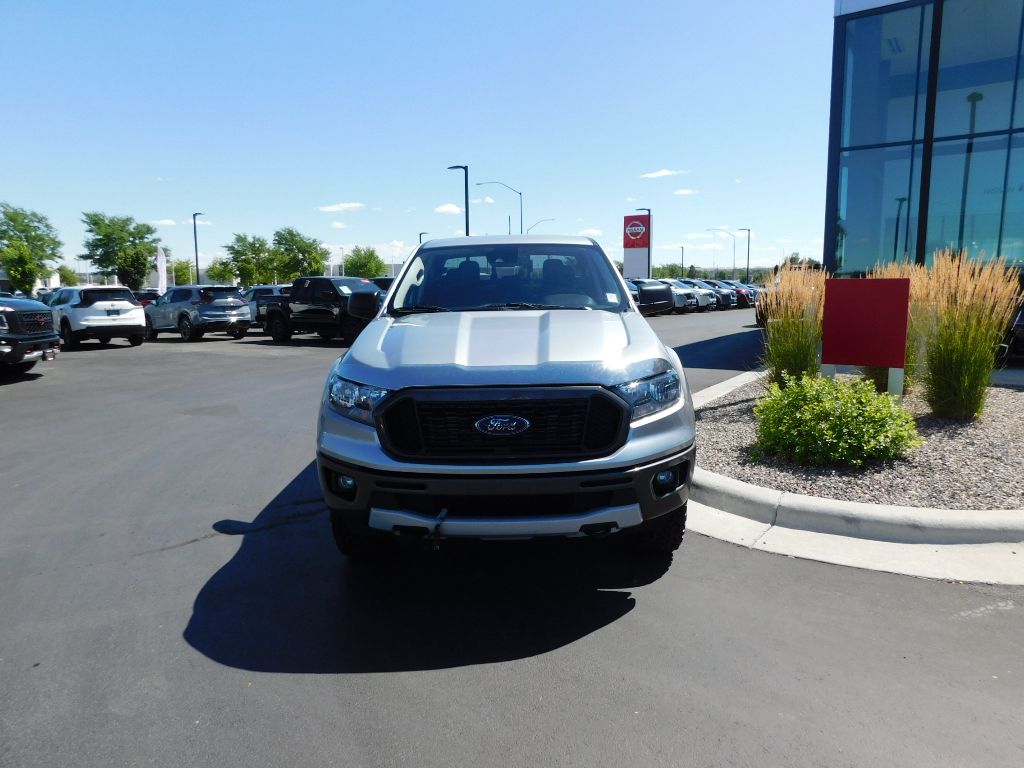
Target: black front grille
565, 423
35, 322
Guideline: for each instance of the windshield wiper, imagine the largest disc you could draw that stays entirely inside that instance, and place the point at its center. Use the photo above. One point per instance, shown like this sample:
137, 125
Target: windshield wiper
417, 309
522, 305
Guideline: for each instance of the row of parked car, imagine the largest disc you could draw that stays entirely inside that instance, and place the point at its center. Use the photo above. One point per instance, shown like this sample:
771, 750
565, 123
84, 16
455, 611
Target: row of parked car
30, 331
693, 295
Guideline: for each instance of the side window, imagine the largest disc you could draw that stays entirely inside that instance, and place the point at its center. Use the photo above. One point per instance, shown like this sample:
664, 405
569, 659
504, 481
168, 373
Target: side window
323, 290
300, 290
180, 294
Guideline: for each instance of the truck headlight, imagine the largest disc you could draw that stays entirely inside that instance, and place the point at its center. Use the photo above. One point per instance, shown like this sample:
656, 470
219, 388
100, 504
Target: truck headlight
650, 395
353, 400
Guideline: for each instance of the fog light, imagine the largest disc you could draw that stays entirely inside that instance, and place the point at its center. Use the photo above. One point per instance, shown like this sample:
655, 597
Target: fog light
346, 483
664, 477
665, 482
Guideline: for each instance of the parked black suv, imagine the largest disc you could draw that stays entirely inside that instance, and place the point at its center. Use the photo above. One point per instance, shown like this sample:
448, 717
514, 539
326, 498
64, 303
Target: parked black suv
315, 305
26, 335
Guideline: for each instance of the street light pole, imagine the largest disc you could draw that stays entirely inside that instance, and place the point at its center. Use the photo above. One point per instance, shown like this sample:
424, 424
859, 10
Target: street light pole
650, 238
506, 186
195, 242
535, 224
465, 171
747, 230
730, 234
421, 236
682, 261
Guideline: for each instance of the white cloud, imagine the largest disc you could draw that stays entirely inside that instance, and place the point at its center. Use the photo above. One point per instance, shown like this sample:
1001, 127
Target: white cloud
199, 222
449, 208
339, 207
410, 210
590, 232
739, 181
339, 225
630, 199
699, 235
486, 199
685, 191
660, 174
163, 223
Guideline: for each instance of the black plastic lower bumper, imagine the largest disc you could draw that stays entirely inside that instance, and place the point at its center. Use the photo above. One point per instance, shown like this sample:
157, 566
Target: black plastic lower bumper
534, 494
109, 332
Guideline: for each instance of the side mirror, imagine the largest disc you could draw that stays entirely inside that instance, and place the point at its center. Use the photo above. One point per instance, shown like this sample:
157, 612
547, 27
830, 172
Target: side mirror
363, 305
654, 299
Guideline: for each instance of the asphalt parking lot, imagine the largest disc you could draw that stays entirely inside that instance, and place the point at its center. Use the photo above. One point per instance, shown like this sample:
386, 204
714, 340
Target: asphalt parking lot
171, 597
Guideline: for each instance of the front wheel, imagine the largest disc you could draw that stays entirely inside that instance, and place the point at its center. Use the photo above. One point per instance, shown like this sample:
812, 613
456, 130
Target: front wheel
278, 330
67, 336
136, 339
662, 535
186, 330
238, 333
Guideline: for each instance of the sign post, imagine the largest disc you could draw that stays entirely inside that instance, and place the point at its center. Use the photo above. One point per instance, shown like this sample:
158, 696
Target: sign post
636, 245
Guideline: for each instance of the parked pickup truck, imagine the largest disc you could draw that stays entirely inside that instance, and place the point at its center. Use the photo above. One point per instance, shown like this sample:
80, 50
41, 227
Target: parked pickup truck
314, 305
26, 335
507, 388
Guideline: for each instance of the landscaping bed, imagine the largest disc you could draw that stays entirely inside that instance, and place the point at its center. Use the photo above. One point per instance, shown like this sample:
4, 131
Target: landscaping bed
977, 465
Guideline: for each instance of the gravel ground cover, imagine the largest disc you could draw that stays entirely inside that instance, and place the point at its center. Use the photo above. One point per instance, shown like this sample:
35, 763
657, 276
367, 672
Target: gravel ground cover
960, 466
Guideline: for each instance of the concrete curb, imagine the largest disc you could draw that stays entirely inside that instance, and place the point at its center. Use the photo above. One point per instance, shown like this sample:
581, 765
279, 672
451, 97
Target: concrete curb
877, 522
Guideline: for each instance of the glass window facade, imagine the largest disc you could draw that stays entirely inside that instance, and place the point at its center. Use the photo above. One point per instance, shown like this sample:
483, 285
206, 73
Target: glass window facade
926, 144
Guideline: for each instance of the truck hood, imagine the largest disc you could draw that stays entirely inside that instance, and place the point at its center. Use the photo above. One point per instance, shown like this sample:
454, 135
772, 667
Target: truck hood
506, 348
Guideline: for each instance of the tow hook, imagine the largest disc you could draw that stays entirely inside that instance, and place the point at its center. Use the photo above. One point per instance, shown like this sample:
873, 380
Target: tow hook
598, 529
435, 535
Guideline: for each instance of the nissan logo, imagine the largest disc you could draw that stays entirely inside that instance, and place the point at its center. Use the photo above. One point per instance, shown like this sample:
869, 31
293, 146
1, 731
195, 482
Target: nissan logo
635, 230
502, 425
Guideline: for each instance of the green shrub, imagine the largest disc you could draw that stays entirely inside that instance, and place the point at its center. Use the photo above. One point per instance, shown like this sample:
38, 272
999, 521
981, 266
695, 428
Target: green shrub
824, 422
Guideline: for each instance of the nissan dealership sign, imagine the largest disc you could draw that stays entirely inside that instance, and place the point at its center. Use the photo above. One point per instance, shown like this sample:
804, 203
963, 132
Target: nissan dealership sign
636, 245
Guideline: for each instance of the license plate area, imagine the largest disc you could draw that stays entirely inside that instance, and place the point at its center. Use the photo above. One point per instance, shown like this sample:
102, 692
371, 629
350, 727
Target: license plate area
113, 312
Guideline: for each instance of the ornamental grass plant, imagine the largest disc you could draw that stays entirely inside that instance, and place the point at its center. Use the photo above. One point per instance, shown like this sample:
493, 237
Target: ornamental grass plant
918, 322
793, 313
969, 306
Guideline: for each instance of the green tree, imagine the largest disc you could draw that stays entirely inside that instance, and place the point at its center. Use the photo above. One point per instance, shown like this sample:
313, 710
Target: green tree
67, 275
119, 245
691, 272
296, 254
618, 266
364, 262
38, 236
221, 271
22, 270
181, 270
252, 259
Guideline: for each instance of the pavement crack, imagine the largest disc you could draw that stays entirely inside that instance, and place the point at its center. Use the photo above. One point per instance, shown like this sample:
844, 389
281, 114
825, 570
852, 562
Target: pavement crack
180, 544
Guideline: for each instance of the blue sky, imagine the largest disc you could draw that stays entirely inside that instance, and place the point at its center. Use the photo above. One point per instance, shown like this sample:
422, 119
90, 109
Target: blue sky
263, 115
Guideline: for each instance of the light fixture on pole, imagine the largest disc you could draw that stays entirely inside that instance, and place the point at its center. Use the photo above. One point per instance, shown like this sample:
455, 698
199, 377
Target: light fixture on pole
650, 240
535, 224
421, 236
730, 234
506, 186
195, 241
465, 171
747, 230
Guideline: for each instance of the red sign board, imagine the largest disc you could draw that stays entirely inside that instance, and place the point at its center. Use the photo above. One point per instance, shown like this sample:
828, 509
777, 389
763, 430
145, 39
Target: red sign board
865, 322
636, 231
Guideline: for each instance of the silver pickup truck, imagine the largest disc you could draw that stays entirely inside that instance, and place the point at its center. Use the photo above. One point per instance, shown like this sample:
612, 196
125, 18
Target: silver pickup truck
507, 388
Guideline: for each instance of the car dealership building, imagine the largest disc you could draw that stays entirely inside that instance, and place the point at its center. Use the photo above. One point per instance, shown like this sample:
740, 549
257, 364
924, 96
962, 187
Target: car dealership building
926, 143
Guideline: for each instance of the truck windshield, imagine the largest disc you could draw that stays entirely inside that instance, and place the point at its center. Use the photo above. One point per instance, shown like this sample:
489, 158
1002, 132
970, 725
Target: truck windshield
491, 277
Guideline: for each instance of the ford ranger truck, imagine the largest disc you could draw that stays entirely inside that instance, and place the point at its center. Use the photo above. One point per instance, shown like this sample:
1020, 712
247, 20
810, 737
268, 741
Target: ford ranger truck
508, 388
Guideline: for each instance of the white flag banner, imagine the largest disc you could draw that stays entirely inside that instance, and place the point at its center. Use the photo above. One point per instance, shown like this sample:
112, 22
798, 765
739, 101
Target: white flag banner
161, 271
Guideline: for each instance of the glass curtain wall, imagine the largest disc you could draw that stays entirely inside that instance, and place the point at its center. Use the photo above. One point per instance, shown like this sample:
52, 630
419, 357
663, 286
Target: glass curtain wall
961, 130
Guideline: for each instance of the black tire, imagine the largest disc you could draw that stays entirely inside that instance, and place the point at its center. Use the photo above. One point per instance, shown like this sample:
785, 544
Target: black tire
278, 329
662, 535
103, 339
186, 330
67, 336
238, 333
326, 335
151, 332
136, 339
18, 369
356, 540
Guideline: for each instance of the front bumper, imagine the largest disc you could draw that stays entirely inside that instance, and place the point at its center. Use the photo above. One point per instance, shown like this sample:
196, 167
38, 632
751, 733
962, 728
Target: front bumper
221, 324
570, 503
16, 348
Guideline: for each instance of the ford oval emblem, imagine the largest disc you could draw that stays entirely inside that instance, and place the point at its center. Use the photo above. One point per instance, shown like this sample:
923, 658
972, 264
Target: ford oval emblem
502, 425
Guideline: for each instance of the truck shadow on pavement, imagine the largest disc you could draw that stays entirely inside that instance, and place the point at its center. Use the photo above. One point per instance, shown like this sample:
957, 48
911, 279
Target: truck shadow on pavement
289, 602
735, 351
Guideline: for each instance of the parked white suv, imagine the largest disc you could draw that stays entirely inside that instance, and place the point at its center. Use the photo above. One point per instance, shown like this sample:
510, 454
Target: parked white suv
102, 312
